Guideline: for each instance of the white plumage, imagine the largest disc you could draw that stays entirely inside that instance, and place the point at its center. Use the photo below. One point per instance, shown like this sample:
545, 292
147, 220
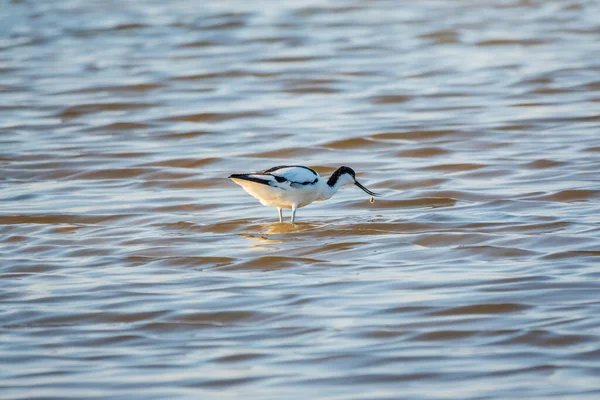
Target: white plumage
294, 186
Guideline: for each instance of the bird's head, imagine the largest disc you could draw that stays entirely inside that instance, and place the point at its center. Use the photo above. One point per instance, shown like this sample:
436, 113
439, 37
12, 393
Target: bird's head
345, 176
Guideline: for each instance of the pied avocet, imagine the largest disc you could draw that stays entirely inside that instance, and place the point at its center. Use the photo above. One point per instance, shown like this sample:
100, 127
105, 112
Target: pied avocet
294, 186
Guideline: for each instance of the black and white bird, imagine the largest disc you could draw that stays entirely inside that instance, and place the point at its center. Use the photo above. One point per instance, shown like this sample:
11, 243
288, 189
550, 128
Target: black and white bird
294, 186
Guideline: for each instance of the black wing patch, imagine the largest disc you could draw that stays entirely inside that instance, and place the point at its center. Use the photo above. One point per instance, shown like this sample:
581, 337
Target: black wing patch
301, 184
288, 166
250, 178
279, 179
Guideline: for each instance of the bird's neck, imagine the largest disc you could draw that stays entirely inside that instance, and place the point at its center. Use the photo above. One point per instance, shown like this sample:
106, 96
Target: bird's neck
328, 189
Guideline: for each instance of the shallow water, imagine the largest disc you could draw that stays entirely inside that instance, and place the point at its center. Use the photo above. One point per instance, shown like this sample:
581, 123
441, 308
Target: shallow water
130, 267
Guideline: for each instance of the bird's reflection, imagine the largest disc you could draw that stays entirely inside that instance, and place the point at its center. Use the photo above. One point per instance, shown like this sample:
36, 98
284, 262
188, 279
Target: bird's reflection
276, 233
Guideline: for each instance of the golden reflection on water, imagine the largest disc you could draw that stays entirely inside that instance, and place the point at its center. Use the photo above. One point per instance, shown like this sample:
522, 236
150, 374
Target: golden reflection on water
278, 232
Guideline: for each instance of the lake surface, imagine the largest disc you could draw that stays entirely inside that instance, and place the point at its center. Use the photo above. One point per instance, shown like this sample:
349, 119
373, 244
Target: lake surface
131, 268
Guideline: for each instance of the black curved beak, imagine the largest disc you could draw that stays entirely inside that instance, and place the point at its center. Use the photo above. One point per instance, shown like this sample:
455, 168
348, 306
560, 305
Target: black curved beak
365, 189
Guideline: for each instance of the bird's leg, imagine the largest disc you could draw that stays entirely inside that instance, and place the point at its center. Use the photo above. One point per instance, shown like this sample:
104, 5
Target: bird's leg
280, 214
293, 214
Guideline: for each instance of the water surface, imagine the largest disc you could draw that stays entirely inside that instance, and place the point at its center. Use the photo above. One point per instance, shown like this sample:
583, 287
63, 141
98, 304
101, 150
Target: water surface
131, 268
